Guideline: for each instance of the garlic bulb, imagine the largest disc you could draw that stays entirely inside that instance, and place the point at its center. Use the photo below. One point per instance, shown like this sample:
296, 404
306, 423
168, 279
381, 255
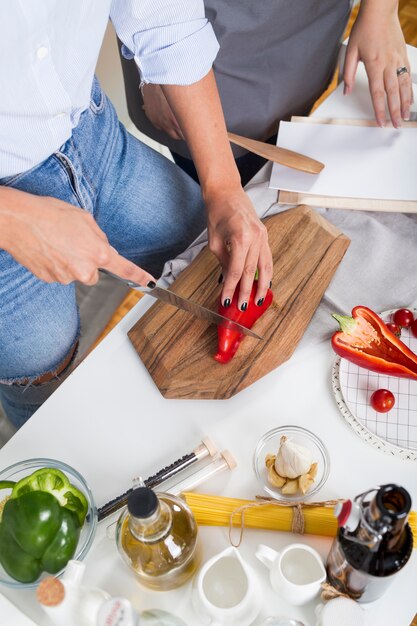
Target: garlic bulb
292, 459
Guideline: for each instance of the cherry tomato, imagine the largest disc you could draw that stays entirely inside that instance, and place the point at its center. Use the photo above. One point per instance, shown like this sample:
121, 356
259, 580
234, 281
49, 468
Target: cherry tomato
403, 317
394, 328
382, 400
413, 328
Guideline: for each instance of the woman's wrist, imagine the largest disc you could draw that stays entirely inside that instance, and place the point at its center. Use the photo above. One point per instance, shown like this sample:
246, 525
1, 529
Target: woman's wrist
379, 8
221, 185
12, 212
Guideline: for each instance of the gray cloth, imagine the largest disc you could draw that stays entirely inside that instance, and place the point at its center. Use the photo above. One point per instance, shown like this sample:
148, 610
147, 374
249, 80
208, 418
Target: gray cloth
276, 58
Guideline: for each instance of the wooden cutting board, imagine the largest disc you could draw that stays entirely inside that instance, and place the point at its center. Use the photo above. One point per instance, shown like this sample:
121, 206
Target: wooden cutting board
178, 349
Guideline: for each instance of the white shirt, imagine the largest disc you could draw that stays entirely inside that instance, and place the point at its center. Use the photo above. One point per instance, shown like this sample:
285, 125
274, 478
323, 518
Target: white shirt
49, 50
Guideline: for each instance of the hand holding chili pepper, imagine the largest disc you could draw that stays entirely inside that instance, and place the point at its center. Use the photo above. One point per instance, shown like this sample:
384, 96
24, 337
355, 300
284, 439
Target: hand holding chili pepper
240, 241
229, 340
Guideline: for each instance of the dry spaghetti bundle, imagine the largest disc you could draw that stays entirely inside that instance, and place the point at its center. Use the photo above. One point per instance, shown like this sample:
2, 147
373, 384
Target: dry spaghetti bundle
318, 518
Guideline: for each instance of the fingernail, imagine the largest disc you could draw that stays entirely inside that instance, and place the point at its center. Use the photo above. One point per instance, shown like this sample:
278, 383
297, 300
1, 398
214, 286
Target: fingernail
227, 302
244, 306
397, 122
151, 284
220, 278
260, 302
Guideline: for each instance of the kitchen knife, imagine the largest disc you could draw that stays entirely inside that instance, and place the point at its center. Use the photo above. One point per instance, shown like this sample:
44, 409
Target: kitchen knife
185, 305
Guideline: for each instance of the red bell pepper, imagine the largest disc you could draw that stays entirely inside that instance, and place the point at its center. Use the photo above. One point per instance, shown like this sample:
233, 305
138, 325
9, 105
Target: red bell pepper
365, 340
229, 340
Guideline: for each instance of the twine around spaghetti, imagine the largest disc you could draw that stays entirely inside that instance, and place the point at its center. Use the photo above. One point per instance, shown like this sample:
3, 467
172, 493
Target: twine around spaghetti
298, 523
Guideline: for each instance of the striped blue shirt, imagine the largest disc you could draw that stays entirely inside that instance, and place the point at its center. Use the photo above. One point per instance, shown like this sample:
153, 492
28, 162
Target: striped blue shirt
49, 50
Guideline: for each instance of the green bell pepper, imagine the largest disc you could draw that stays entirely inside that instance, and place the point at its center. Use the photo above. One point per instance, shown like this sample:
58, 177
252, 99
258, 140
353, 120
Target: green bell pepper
55, 482
37, 534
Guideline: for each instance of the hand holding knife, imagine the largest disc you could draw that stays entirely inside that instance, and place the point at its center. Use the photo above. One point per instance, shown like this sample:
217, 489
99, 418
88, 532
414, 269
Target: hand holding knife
184, 304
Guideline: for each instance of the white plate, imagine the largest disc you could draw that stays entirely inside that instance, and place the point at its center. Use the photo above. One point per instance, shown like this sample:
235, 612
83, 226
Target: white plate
394, 432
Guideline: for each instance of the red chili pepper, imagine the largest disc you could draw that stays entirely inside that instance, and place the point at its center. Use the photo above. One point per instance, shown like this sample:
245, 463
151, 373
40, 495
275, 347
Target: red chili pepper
365, 340
229, 340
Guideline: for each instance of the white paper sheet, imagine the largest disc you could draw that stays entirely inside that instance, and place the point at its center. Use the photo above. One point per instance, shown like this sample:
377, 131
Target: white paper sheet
360, 161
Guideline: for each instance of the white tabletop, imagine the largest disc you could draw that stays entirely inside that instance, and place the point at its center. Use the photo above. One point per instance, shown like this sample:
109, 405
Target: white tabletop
110, 422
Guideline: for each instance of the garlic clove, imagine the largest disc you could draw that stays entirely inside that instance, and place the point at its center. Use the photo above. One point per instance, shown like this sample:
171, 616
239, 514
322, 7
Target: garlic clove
270, 459
305, 481
313, 470
290, 488
275, 479
292, 459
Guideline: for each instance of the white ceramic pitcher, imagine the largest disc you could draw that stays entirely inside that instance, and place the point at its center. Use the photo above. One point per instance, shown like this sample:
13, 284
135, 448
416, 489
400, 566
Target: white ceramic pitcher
296, 573
227, 591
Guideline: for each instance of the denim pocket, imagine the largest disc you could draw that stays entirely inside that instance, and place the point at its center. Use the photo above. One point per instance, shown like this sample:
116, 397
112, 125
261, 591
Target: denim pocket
56, 177
97, 97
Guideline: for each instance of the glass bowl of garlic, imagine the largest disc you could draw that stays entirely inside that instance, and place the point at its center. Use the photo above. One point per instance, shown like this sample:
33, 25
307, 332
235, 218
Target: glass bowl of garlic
291, 463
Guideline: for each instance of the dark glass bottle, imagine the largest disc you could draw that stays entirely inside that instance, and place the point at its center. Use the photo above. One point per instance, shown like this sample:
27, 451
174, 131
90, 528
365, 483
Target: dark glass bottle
374, 541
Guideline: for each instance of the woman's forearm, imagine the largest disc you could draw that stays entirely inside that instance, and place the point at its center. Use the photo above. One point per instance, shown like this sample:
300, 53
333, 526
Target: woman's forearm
199, 113
235, 233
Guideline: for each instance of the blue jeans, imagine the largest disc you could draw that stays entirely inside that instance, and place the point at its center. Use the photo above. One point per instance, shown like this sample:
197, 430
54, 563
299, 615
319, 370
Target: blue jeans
150, 211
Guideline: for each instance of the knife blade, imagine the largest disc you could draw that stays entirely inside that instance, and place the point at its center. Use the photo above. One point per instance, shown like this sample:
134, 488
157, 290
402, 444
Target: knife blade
169, 297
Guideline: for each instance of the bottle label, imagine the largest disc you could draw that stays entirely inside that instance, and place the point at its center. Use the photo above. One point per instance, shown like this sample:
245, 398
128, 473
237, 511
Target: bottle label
117, 612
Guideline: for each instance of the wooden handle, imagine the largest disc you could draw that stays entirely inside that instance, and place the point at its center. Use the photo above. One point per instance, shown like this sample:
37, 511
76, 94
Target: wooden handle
278, 155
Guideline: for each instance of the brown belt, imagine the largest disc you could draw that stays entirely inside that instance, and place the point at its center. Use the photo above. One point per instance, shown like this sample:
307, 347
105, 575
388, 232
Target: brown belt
48, 376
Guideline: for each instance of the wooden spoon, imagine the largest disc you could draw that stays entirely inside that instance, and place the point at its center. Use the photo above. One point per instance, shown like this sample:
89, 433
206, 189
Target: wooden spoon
278, 155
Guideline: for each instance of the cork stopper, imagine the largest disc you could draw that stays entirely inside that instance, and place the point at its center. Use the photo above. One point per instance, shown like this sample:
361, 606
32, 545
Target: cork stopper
229, 458
50, 591
205, 448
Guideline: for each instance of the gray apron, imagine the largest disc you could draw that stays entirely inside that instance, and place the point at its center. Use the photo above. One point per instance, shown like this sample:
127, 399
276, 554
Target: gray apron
276, 58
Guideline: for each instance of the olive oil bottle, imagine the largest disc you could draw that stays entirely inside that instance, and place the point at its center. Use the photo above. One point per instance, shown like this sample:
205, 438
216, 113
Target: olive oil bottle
373, 543
157, 538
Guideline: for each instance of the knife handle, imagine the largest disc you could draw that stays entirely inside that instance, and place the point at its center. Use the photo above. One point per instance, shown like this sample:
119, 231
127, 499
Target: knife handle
129, 283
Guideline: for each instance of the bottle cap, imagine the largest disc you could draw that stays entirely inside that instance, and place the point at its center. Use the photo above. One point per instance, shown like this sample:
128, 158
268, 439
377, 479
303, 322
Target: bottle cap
142, 502
50, 591
348, 514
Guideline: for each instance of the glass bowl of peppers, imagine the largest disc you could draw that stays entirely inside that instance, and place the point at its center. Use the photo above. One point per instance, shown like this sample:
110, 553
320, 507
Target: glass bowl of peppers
294, 445
47, 517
